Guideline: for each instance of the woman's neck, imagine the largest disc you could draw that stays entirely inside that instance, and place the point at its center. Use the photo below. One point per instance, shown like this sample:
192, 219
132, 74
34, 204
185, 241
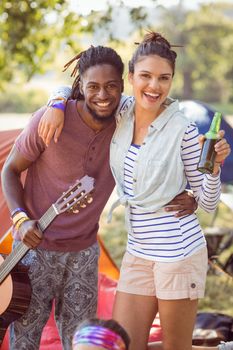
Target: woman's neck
143, 119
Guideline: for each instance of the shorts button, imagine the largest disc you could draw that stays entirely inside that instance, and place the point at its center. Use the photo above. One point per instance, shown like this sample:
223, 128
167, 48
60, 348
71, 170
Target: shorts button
193, 285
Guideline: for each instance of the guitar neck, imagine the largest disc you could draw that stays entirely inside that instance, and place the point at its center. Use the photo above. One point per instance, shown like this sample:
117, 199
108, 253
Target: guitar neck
21, 249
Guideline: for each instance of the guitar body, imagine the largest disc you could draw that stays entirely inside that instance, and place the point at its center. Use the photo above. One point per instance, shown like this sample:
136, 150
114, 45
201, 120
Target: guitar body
15, 296
15, 287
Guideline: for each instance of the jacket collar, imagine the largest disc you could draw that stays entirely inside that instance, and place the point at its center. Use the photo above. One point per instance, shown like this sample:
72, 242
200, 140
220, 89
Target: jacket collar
171, 108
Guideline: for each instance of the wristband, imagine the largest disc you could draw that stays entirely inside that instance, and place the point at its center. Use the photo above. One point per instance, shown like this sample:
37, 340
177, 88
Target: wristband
18, 217
19, 223
17, 210
58, 105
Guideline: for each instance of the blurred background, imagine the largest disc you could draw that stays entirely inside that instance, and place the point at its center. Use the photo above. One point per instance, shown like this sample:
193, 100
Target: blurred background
37, 37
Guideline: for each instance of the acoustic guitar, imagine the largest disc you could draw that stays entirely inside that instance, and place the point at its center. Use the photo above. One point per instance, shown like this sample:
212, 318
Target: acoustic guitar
15, 288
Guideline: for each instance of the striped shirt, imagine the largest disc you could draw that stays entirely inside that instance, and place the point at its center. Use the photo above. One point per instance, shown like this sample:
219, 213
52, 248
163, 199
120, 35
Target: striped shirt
160, 236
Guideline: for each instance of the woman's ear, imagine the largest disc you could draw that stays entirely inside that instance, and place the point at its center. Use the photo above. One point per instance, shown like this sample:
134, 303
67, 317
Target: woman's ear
130, 77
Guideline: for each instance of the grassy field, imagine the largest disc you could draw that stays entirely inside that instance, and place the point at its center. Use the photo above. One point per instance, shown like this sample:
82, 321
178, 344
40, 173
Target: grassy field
219, 288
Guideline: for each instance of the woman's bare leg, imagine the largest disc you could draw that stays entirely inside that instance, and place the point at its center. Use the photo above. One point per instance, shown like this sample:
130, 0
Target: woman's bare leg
177, 319
136, 314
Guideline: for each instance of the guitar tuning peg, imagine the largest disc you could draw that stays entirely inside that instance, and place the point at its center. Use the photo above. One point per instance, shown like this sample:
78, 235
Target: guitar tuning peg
89, 199
83, 205
75, 211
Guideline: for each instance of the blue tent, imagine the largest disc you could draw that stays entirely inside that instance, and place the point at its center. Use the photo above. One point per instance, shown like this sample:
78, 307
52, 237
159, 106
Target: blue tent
202, 114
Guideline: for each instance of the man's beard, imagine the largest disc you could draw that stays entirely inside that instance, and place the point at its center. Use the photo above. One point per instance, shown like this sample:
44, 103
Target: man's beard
100, 118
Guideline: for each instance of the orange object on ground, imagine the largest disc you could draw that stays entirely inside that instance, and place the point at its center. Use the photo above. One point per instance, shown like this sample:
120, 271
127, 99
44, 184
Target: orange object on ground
6, 242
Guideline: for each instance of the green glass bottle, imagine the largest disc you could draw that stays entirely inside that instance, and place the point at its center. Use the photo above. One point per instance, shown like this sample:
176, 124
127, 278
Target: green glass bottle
208, 154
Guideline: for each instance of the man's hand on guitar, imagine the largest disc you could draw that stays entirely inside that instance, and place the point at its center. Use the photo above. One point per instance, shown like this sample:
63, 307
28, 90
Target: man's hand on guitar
184, 204
30, 234
51, 125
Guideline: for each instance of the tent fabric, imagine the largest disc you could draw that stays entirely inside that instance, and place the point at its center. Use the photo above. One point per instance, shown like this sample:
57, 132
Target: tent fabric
108, 271
6, 141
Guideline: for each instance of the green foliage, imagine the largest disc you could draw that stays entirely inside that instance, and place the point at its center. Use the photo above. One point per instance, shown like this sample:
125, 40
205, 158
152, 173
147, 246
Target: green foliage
204, 62
30, 35
204, 66
33, 33
17, 100
218, 296
114, 234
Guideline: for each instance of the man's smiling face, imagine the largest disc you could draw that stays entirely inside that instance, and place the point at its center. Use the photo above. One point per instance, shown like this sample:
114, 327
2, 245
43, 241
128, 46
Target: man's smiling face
101, 86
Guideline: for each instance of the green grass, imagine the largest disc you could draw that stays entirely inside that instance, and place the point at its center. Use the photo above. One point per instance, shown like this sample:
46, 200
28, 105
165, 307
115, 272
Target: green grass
114, 235
218, 296
219, 287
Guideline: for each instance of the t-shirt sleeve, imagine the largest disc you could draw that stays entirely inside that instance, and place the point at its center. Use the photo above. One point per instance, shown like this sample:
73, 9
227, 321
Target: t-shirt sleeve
28, 143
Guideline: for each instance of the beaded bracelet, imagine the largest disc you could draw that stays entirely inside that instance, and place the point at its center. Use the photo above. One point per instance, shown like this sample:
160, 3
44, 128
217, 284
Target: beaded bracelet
17, 210
19, 223
19, 216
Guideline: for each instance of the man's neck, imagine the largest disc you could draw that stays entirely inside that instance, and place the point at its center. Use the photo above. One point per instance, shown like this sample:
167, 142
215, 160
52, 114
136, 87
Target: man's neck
94, 124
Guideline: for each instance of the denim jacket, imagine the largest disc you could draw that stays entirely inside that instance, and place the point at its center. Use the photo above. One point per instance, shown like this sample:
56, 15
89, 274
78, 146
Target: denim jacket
159, 172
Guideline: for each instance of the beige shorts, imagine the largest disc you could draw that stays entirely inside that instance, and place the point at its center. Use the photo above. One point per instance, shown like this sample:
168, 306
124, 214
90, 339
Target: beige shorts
166, 280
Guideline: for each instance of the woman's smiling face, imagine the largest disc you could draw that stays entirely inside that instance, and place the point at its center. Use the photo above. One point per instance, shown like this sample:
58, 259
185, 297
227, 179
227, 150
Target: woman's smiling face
151, 81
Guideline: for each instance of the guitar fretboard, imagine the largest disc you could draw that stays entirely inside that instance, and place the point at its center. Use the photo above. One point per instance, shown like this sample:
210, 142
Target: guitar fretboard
21, 249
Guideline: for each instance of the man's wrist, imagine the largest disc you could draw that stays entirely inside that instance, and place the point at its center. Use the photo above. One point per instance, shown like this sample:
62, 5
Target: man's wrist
58, 105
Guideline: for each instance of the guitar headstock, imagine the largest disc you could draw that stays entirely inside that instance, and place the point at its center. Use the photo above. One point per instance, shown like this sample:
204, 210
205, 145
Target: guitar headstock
77, 196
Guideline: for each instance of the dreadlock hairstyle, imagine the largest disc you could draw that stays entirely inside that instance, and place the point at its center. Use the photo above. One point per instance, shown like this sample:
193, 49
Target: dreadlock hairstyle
154, 44
92, 57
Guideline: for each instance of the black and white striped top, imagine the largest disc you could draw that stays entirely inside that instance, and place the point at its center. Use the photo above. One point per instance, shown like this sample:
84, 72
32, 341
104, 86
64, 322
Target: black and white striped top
160, 236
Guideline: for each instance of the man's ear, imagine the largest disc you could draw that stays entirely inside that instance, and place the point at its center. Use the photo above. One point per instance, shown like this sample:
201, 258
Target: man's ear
122, 85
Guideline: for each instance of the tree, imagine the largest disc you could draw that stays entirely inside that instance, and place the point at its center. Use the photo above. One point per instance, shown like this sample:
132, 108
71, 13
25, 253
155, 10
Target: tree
205, 59
30, 34
31, 31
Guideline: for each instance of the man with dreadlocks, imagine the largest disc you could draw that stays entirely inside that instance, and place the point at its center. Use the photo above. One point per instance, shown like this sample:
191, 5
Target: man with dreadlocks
63, 262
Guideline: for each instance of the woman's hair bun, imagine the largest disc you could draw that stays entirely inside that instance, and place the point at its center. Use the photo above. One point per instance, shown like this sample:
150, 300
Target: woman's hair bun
156, 38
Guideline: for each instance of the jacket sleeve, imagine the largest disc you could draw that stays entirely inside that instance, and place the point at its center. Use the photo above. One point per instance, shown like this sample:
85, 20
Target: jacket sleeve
61, 92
